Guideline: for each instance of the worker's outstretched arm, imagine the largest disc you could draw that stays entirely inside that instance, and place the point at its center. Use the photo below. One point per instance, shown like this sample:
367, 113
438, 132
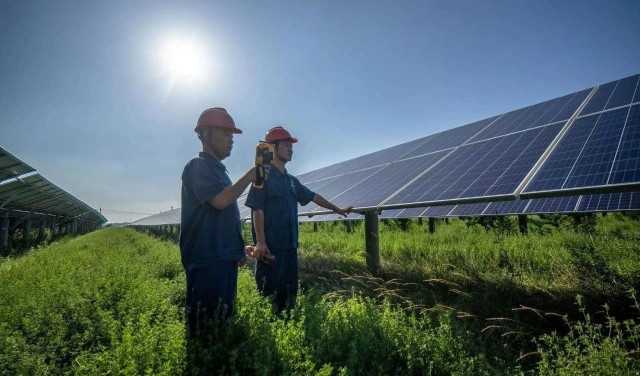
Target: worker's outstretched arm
231, 193
327, 205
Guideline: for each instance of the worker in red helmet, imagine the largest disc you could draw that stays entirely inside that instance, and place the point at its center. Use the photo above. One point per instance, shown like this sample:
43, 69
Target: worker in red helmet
211, 244
275, 223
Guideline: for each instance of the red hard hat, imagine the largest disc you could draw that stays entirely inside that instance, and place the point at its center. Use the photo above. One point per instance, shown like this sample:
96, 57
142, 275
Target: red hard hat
278, 134
216, 117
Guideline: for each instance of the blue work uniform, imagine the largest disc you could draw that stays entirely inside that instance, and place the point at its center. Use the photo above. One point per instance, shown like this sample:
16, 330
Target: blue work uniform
279, 198
211, 241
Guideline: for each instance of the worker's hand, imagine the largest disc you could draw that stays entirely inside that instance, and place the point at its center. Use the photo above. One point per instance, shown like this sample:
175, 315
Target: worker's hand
252, 174
261, 253
344, 211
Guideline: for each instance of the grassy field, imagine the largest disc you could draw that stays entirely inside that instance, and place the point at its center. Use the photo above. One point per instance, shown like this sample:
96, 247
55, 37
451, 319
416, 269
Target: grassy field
474, 298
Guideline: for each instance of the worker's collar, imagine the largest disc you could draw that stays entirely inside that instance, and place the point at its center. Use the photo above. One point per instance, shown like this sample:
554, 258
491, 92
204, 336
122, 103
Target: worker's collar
213, 160
275, 170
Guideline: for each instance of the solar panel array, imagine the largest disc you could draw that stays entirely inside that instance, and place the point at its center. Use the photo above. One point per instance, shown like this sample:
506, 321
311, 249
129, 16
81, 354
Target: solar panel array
576, 153
23, 191
584, 144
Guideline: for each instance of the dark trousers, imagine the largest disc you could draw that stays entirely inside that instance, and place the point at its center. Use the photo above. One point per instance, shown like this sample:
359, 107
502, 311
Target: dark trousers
211, 292
279, 281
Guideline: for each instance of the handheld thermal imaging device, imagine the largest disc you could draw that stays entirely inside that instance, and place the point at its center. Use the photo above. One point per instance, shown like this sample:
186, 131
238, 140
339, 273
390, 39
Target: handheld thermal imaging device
264, 157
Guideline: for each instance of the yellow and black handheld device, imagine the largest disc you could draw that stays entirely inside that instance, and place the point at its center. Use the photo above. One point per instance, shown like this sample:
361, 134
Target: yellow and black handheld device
264, 157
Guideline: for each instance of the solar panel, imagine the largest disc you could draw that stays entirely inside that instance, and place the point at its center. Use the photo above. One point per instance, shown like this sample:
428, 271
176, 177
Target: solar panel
585, 156
610, 202
393, 153
611, 95
626, 168
465, 210
450, 138
506, 207
552, 111
600, 98
565, 204
385, 181
438, 211
339, 186
480, 169
623, 95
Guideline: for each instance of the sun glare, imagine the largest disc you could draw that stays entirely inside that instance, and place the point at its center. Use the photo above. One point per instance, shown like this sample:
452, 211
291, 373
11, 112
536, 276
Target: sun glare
183, 61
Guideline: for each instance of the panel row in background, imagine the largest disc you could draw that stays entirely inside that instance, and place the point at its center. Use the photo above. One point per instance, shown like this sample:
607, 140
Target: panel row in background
24, 192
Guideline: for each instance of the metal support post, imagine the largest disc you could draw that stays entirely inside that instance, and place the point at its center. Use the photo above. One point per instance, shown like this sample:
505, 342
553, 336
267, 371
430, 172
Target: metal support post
372, 242
26, 231
432, 225
41, 230
4, 231
523, 224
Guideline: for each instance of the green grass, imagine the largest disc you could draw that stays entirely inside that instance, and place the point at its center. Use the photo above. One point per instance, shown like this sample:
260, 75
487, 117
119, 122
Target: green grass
462, 301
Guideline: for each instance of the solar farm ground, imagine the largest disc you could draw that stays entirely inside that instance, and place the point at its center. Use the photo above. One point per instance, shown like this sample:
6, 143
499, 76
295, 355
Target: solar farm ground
474, 298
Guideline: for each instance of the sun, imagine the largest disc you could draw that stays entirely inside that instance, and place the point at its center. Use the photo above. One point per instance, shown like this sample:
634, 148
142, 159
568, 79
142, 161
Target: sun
183, 60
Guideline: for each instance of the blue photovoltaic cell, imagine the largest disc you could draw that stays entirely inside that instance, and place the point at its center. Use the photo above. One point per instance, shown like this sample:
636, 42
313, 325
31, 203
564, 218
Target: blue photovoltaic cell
497, 166
318, 184
438, 211
552, 205
544, 113
514, 167
389, 214
430, 185
585, 154
386, 181
450, 138
329, 191
464, 210
366, 161
556, 112
593, 166
504, 124
506, 207
333, 170
610, 202
626, 168
404, 213
572, 106
623, 95
393, 153
600, 98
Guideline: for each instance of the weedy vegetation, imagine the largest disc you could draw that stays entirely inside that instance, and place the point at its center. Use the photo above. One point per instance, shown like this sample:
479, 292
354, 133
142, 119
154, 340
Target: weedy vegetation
474, 298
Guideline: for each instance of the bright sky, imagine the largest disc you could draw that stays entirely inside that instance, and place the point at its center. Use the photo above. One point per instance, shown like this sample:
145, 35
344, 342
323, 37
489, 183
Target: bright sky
101, 97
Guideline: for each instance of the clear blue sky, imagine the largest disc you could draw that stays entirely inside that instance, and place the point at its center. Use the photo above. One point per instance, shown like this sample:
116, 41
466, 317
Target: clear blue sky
86, 100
